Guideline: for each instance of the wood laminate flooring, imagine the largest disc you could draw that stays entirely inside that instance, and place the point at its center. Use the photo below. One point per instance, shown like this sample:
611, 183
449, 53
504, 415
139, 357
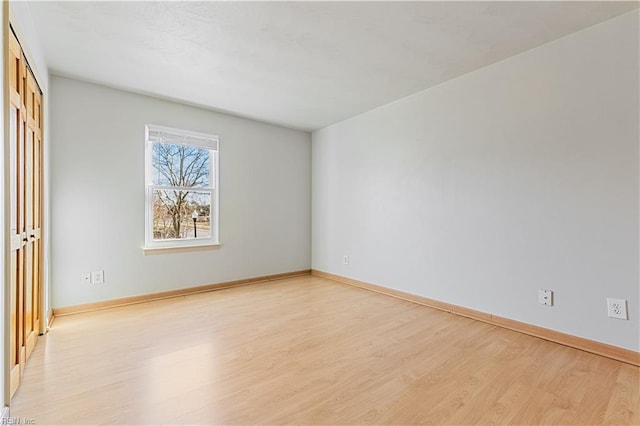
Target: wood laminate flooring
308, 350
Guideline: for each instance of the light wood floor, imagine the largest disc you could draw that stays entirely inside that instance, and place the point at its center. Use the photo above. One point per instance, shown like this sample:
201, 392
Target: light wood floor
308, 350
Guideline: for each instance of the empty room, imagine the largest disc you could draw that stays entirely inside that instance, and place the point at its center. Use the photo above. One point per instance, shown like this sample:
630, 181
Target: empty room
334, 213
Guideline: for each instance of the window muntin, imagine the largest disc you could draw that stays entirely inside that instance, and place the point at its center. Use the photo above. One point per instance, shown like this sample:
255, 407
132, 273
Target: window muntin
181, 188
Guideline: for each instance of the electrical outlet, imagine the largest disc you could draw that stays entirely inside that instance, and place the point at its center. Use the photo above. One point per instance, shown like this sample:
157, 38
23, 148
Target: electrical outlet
86, 278
545, 297
345, 260
617, 308
97, 277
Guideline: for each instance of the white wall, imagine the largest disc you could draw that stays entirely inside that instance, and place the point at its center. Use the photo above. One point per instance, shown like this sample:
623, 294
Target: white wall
97, 193
478, 192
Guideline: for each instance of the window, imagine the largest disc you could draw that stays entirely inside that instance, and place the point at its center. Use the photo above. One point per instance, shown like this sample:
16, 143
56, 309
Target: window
181, 172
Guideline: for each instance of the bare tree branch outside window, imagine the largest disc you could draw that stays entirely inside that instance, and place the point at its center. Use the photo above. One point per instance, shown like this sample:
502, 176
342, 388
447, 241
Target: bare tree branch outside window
186, 168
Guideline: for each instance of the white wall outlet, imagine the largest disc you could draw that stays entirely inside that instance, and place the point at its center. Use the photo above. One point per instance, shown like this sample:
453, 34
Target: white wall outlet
86, 278
97, 277
617, 308
345, 260
545, 297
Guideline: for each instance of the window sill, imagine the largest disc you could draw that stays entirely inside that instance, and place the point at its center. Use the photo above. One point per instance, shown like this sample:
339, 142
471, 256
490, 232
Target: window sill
179, 248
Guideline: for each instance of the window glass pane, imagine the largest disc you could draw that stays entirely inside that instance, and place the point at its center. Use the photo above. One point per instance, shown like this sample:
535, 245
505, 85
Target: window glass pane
180, 165
174, 213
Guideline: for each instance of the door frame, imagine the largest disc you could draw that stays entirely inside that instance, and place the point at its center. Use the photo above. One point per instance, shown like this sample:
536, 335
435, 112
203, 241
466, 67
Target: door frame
6, 245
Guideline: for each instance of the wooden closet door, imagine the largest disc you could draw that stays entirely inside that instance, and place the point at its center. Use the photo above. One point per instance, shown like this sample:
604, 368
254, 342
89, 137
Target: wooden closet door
32, 195
25, 186
38, 191
16, 151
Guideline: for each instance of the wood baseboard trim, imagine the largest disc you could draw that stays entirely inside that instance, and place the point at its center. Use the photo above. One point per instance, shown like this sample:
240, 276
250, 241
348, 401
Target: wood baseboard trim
598, 348
89, 307
50, 318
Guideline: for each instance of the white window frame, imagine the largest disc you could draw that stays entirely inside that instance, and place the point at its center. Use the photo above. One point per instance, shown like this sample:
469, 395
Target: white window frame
190, 138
